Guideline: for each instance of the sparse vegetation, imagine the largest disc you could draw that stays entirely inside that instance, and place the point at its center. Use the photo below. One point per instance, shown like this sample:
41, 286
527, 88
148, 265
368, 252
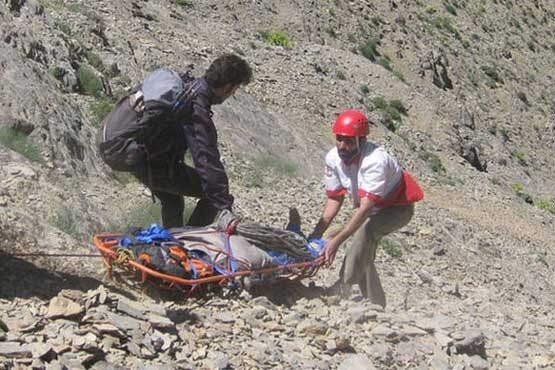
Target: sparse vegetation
542, 258
100, 108
546, 205
433, 161
64, 27
184, 3
519, 191
66, 219
95, 61
279, 165
57, 72
370, 49
385, 62
391, 248
492, 75
277, 38
520, 157
144, 214
517, 187
20, 143
52, 4
450, 8
399, 75
391, 111
89, 82
255, 179
364, 89
444, 24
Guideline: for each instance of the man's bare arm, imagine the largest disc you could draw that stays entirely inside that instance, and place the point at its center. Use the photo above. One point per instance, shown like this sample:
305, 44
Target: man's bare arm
331, 208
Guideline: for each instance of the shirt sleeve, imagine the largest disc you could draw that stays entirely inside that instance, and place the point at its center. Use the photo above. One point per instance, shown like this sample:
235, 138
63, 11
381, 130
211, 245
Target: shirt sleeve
332, 183
202, 140
372, 183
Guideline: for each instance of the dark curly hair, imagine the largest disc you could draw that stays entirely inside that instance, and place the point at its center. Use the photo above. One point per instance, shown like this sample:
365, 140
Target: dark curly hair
228, 69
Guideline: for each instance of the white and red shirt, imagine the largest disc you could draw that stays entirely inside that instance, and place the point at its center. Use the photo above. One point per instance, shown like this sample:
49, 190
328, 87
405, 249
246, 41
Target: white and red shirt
374, 174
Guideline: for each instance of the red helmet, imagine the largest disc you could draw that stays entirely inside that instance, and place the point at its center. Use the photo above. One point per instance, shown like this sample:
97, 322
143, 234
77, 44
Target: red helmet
351, 123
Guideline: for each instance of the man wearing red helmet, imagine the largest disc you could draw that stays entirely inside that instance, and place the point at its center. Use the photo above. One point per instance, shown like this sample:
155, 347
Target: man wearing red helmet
383, 195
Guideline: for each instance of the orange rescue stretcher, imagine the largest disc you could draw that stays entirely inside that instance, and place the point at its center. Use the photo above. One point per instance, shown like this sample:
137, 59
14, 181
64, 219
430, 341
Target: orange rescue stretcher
107, 245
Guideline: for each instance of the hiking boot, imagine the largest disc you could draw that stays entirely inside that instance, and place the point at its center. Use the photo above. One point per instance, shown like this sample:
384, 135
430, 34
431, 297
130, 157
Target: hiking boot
340, 289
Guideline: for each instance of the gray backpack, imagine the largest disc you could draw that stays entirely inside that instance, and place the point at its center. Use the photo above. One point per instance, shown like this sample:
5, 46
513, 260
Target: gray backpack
138, 127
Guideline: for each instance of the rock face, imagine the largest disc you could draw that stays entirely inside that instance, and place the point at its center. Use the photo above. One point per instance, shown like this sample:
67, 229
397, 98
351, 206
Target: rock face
461, 92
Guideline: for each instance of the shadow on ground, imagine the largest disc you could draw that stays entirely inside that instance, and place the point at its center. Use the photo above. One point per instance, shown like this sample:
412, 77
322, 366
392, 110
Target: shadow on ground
23, 279
288, 293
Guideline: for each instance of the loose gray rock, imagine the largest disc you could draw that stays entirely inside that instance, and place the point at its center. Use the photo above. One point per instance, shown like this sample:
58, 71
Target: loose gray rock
473, 343
15, 350
63, 307
356, 362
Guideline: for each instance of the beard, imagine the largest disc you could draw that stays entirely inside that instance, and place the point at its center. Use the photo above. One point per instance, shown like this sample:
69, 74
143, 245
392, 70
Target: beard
347, 156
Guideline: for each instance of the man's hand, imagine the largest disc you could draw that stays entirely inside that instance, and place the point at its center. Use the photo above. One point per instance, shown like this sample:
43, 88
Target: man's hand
330, 250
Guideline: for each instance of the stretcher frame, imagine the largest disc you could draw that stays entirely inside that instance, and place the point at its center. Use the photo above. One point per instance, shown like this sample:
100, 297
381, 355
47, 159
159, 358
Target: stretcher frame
106, 244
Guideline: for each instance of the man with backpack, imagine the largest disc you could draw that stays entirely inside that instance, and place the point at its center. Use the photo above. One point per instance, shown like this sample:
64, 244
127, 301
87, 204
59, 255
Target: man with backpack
383, 195
150, 130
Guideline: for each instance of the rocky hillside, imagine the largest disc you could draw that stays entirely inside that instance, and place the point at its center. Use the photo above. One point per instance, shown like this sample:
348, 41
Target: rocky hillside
461, 91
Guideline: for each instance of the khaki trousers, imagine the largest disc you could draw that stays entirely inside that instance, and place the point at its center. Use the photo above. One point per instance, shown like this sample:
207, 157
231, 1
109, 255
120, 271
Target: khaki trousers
358, 265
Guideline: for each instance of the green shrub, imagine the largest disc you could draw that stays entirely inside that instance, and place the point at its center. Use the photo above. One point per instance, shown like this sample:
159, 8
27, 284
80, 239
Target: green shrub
184, 3
380, 103
100, 108
64, 27
57, 72
52, 4
364, 89
385, 62
278, 38
370, 49
391, 248
542, 258
20, 143
271, 162
450, 8
95, 61
340, 75
89, 83
517, 187
519, 191
520, 157
398, 105
433, 161
546, 205
444, 23
391, 111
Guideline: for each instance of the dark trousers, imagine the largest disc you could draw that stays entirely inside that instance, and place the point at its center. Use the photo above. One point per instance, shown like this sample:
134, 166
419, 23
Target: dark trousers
170, 184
